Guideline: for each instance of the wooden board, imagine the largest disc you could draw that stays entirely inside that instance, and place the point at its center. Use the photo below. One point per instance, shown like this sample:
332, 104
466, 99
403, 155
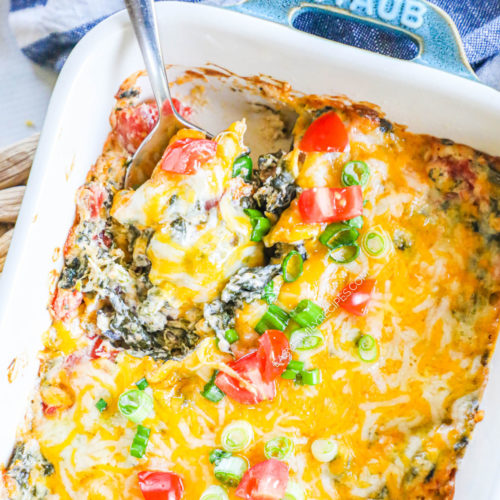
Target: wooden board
15, 165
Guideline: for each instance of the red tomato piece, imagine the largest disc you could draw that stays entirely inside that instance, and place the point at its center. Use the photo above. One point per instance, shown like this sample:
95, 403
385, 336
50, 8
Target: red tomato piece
326, 134
96, 195
330, 204
265, 481
186, 155
159, 485
355, 297
184, 111
250, 369
134, 123
274, 354
65, 303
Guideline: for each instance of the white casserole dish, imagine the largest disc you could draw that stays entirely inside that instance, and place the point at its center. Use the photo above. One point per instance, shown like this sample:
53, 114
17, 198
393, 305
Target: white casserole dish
427, 100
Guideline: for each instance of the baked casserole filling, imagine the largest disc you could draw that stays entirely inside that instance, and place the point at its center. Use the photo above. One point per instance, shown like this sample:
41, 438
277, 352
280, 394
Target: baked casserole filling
309, 324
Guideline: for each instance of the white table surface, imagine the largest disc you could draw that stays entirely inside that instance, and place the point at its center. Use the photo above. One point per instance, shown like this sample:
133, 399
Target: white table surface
24, 86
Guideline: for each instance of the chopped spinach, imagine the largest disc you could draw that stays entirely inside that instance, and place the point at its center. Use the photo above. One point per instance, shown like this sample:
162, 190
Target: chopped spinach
275, 185
73, 270
243, 287
27, 464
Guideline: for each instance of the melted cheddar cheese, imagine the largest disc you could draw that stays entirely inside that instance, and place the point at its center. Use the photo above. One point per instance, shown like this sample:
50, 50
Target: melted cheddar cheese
401, 422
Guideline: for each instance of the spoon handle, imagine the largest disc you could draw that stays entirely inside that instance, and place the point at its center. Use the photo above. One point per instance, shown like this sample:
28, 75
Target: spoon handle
143, 17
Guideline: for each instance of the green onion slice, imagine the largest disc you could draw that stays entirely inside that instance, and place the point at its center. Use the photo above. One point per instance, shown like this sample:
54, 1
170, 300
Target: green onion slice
242, 167
309, 377
307, 314
374, 243
280, 447
217, 455
357, 222
296, 365
289, 374
270, 294
140, 442
260, 224
338, 234
355, 173
142, 384
230, 470
292, 266
211, 391
305, 339
231, 335
275, 318
324, 450
294, 491
237, 436
345, 253
214, 493
135, 404
367, 348
101, 405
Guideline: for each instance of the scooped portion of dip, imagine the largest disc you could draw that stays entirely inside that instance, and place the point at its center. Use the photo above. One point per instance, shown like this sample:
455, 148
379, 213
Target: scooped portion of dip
193, 209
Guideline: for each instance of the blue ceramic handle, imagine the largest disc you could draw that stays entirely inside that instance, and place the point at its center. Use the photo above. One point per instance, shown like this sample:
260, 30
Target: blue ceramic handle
430, 27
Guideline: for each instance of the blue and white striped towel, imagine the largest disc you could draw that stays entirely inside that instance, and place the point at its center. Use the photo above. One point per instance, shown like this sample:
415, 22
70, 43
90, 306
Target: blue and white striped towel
47, 30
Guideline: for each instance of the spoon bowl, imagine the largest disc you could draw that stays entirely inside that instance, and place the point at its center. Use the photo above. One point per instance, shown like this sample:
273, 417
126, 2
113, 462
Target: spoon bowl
143, 19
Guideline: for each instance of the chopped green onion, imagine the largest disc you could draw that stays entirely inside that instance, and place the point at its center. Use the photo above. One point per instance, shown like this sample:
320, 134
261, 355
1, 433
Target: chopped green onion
309, 377
367, 348
237, 436
293, 491
305, 339
374, 243
338, 234
274, 319
242, 167
217, 455
307, 313
292, 266
214, 493
140, 442
211, 391
280, 447
357, 222
345, 254
101, 405
296, 365
269, 294
355, 173
230, 470
231, 335
324, 450
142, 384
135, 404
260, 224
289, 374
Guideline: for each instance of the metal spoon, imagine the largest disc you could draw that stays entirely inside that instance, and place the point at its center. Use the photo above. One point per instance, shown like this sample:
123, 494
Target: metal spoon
143, 18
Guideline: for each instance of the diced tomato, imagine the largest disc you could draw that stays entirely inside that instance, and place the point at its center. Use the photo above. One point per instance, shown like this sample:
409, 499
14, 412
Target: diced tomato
265, 481
97, 195
184, 111
65, 303
186, 155
250, 369
355, 297
330, 204
134, 123
159, 485
326, 134
274, 354
49, 411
